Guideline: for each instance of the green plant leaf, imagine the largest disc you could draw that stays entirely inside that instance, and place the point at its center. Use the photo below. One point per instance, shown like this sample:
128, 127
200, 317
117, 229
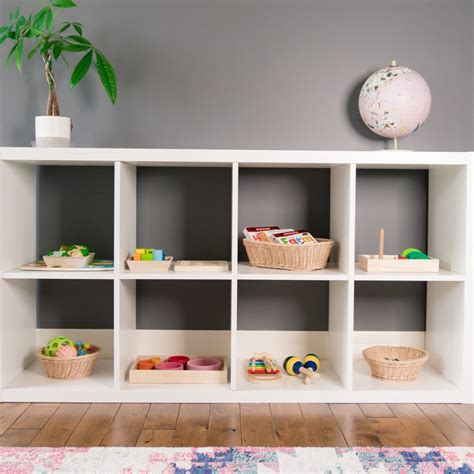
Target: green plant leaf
19, 56
78, 28
11, 53
76, 48
6, 35
49, 19
107, 76
79, 39
81, 68
38, 20
4, 28
65, 26
64, 4
14, 16
33, 51
57, 49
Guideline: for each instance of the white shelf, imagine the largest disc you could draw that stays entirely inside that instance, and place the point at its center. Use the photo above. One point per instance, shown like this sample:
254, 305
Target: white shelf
17, 274
246, 272
32, 384
442, 275
128, 275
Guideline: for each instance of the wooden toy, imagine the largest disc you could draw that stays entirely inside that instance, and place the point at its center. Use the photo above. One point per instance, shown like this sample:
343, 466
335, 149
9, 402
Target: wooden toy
144, 266
81, 351
312, 362
138, 375
156, 360
201, 266
145, 365
204, 364
294, 366
169, 366
411, 260
262, 368
158, 254
179, 358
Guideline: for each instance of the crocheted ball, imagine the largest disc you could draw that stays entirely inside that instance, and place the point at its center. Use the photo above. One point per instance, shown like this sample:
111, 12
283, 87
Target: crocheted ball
66, 352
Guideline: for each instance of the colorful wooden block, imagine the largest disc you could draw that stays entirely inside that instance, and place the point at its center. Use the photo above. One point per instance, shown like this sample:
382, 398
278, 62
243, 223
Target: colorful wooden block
158, 254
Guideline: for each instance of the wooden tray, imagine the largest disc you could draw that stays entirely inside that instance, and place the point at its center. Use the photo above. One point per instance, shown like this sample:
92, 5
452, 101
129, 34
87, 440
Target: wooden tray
392, 264
94, 266
68, 262
201, 266
178, 376
150, 265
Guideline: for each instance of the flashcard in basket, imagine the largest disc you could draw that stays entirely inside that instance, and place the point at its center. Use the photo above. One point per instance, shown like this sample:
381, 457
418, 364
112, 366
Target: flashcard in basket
296, 237
259, 233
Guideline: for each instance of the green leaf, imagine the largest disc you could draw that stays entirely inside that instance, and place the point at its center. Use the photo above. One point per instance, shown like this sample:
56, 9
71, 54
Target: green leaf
107, 76
79, 39
4, 28
38, 20
19, 55
76, 48
49, 19
14, 16
81, 68
33, 51
57, 49
78, 28
65, 26
11, 53
64, 4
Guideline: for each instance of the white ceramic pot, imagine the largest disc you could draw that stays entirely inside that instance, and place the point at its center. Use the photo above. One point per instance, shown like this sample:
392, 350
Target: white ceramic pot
53, 131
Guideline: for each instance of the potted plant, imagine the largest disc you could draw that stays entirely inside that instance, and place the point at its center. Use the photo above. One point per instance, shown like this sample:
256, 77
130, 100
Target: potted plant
53, 44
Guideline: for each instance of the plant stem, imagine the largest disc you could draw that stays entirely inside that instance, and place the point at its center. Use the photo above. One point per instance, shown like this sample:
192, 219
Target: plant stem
52, 109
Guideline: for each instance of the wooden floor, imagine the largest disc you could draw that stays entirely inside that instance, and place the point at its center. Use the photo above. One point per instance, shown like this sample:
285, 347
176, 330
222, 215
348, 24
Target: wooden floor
82, 424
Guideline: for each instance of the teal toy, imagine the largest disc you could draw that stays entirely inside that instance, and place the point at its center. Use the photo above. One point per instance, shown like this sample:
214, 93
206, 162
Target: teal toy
56, 343
81, 351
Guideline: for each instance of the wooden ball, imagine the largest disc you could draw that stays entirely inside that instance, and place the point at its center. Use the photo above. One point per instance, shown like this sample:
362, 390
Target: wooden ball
312, 362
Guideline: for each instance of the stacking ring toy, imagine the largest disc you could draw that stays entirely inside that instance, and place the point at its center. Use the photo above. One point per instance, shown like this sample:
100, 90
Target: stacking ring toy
312, 362
294, 366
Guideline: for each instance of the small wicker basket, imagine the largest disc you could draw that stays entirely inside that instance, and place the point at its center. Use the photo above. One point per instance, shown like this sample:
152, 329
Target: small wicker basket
395, 363
69, 369
305, 257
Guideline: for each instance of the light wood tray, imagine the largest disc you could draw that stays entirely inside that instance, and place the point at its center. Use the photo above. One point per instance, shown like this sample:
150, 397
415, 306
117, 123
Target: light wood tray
392, 264
179, 376
68, 262
150, 265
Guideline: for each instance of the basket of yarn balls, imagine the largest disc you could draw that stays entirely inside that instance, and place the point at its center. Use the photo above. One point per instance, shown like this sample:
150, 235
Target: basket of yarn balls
66, 360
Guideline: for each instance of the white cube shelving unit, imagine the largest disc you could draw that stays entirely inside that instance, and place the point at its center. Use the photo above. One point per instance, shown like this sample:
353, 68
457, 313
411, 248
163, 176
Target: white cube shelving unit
344, 377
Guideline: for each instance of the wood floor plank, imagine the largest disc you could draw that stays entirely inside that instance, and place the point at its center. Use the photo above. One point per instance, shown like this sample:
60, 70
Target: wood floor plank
60, 426
36, 416
391, 432
465, 412
9, 412
356, 428
322, 425
162, 416
224, 425
127, 425
376, 410
418, 425
156, 439
192, 425
289, 425
18, 438
94, 425
458, 433
257, 426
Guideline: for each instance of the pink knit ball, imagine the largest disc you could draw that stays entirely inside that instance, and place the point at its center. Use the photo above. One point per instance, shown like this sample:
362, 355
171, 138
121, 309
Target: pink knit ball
66, 352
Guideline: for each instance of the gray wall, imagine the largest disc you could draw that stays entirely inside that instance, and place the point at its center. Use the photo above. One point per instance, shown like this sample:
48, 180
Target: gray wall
252, 73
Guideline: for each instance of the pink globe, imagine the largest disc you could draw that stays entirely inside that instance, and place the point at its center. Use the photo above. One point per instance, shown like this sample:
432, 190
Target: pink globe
395, 101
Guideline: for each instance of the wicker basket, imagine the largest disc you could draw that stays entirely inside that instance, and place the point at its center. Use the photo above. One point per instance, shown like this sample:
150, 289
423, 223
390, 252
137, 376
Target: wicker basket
289, 257
69, 369
395, 363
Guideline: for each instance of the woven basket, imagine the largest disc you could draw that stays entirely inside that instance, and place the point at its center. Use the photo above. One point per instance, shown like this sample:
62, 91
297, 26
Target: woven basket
395, 363
289, 257
69, 369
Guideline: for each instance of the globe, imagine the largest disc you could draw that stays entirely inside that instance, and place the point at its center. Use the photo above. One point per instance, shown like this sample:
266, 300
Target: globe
395, 101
